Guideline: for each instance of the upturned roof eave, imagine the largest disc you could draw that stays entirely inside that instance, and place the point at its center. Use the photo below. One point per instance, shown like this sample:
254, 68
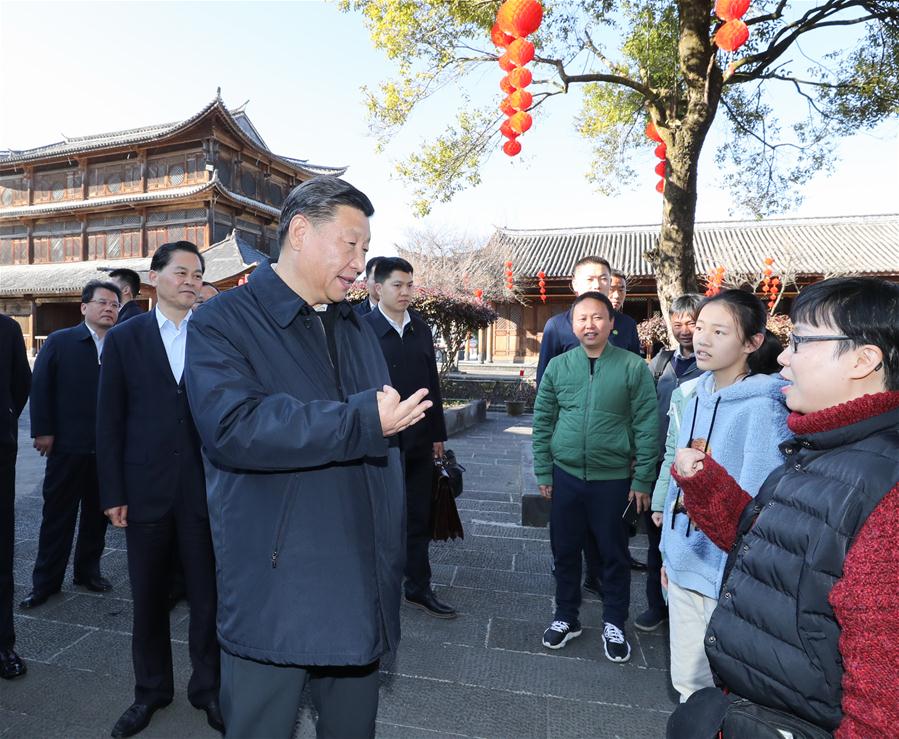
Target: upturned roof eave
160, 134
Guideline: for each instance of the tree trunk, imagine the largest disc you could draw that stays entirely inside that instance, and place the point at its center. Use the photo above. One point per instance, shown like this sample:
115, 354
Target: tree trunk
684, 131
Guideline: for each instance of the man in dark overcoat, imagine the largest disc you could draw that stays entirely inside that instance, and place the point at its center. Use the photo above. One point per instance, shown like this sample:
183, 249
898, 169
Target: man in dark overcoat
291, 397
15, 382
152, 485
64, 426
408, 347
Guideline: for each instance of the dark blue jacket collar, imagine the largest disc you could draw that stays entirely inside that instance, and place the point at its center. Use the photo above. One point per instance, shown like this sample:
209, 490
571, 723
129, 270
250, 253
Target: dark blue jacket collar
282, 303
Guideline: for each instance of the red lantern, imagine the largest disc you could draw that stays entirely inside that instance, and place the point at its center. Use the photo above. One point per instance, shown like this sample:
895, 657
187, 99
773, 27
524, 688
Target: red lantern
769, 261
506, 85
652, 133
506, 107
506, 130
509, 264
775, 281
478, 293
521, 99
500, 39
729, 10
520, 77
512, 147
521, 51
242, 281
505, 63
660, 186
661, 151
732, 35
541, 275
520, 122
660, 168
519, 17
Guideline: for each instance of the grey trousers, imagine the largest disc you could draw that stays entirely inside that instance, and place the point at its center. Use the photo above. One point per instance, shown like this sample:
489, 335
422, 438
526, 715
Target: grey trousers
260, 701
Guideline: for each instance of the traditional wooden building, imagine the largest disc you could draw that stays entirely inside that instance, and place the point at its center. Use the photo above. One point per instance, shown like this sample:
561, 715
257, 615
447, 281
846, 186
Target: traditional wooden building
804, 251
78, 208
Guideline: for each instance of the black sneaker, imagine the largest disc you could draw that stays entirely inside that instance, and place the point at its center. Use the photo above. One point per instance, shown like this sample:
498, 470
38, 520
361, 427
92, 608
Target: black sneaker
650, 620
560, 633
614, 643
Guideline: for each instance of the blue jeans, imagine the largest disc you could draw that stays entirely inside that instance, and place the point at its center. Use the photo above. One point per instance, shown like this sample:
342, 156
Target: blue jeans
579, 506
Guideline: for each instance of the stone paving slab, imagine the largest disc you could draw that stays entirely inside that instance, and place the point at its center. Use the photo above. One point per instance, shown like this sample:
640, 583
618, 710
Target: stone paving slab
484, 674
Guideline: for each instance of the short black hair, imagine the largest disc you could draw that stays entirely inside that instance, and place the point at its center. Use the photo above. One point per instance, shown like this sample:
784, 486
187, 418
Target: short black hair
371, 264
590, 259
129, 277
388, 265
594, 295
163, 255
620, 275
318, 198
87, 293
863, 308
687, 303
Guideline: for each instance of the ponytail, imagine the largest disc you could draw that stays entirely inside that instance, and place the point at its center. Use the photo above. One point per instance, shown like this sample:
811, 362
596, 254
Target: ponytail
763, 361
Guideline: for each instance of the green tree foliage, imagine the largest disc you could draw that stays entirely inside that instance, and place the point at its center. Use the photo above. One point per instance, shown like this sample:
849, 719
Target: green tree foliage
661, 63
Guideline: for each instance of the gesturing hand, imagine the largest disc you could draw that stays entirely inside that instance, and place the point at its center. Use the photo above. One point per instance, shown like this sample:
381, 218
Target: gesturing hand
397, 414
44, 445
546, 491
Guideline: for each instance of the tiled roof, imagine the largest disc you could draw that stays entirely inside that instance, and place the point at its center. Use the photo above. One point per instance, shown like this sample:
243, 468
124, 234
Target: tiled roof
813, 246
172, 193
225, 259
241, 125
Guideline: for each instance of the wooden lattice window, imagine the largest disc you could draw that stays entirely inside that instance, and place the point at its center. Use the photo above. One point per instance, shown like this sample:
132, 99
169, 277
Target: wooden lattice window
13, 245
176, 170
113, 179
63, 184
13, 192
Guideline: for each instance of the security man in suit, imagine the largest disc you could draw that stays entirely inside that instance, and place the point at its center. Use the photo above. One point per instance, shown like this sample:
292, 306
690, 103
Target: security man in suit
63, 424
409, 350
371, 301
15, 382
129, 283
152, 484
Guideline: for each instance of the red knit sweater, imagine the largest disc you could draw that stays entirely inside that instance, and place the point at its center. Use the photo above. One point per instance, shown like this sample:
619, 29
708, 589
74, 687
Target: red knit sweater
865, 600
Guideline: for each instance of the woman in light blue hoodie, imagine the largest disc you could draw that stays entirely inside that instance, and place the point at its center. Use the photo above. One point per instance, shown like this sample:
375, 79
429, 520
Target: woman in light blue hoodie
737, 415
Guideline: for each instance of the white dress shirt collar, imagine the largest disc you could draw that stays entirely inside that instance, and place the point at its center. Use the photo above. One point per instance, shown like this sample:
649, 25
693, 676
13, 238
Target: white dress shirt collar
399, 328
174, 339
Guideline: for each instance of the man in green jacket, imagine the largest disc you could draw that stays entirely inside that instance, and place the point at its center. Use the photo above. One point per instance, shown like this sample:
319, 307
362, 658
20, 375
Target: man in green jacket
595, 450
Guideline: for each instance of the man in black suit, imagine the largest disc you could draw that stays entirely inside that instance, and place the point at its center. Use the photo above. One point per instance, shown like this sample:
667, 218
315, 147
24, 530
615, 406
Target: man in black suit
15, 381
409, 350
152, 484
63, 424
129, 284
371, 301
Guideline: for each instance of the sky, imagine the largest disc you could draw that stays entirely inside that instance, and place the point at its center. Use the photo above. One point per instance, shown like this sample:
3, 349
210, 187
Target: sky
73, 69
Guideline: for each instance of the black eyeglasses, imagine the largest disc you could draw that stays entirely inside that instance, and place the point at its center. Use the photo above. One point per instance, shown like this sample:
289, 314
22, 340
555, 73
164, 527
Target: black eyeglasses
795, 340
104, 303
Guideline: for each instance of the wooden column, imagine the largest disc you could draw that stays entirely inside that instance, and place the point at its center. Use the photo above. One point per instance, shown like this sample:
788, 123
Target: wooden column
142, 157
143, 228
29, 248
84, 249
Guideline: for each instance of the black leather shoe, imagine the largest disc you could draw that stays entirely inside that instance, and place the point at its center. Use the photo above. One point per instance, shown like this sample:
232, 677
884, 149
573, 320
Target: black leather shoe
135, 719
11, 665
428, 602
214, 715
636, 564
35, 599
95, 583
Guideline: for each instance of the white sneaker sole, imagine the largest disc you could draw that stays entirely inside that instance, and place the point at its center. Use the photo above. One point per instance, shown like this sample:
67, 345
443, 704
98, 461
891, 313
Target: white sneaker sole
609, 657
568, 637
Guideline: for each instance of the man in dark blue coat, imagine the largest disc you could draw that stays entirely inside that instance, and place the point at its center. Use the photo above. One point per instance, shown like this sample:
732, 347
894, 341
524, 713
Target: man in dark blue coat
409, 350
15, 381
152, 485
590, 274
64, 427
290, 395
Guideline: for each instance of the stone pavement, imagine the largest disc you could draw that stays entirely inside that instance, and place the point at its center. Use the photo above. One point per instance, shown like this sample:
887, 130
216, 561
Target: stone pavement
484, 674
